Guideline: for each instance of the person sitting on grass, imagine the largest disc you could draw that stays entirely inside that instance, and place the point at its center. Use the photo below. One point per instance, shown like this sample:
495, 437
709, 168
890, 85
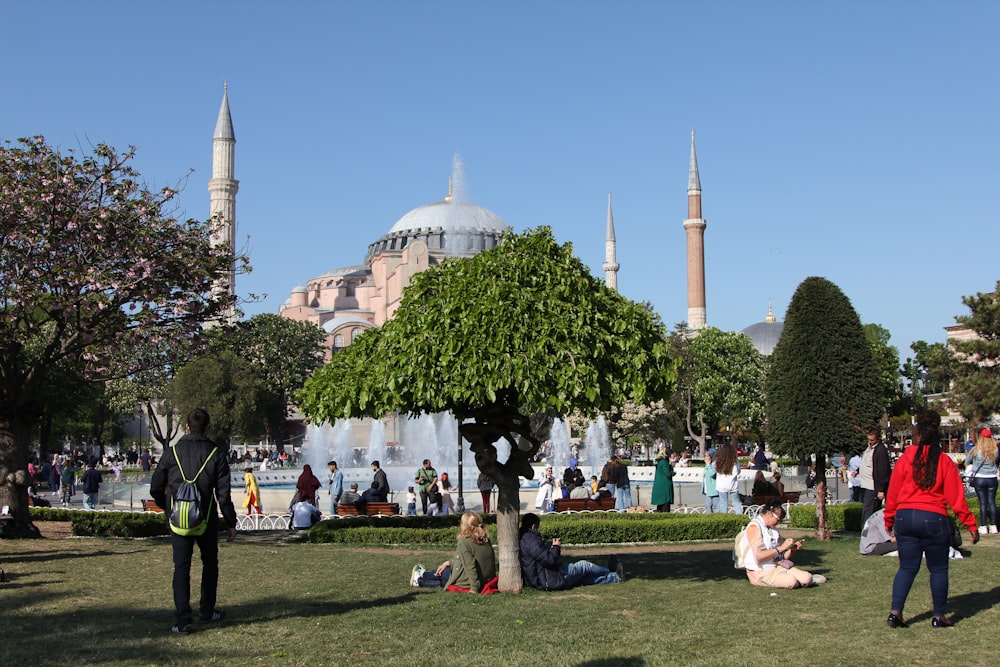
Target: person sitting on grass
766, 555
541, 569
472, 570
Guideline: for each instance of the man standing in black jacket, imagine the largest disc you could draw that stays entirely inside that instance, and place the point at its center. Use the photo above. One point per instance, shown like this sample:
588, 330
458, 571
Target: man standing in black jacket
873, 475
195, 452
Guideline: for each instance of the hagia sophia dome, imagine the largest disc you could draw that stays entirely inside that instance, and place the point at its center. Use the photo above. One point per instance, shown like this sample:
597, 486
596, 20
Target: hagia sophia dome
347, 300
765, 334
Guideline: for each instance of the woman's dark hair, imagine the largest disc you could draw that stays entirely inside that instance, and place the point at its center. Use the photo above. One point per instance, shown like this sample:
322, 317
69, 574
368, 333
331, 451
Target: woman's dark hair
772, 504
928, 442
528, 521
725, 459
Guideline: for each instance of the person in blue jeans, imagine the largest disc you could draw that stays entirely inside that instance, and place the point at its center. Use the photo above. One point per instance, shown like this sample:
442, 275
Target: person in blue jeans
541, 567
924, 484
982, 462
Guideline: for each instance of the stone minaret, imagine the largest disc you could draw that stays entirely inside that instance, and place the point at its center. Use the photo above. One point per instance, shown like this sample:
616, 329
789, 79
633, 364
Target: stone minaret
610, 263
222, 188
694, 227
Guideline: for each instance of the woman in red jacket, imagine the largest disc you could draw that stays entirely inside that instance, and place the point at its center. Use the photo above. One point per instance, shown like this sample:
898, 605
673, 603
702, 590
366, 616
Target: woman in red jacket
923, 484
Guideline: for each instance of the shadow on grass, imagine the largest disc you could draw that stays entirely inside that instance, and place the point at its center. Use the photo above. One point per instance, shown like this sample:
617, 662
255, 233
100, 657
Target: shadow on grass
72, 636
614, 662
701, 565
13, 557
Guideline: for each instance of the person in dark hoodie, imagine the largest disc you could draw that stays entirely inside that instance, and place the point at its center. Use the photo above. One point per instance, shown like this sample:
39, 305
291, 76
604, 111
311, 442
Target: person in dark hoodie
541, 569
195, 452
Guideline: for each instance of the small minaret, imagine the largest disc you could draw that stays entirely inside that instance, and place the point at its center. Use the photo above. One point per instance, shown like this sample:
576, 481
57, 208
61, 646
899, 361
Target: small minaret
610, 252
694, 227
222, 188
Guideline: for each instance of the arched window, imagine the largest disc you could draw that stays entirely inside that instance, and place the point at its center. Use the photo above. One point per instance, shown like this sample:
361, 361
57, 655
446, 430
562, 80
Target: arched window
338, 341
355, 333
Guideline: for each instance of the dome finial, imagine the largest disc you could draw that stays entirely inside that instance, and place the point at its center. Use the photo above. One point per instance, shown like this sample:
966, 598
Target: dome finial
448, 197
770, 319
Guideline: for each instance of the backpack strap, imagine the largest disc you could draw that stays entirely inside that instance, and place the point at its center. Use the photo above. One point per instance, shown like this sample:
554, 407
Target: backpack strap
200, 470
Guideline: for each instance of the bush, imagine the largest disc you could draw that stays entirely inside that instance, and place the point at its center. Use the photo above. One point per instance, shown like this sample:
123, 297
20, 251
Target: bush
844, 517
119, 524
596, 528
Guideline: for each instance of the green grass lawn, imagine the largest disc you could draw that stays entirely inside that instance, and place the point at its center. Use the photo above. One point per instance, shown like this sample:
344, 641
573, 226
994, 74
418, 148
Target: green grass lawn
93, 601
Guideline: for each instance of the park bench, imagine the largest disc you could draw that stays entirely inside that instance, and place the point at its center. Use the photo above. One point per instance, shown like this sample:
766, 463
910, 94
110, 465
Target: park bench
371, 509
151, 506
788, 497
584, 504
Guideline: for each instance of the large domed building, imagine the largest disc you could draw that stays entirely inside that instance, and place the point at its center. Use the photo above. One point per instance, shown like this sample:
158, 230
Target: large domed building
347, 300
765, 334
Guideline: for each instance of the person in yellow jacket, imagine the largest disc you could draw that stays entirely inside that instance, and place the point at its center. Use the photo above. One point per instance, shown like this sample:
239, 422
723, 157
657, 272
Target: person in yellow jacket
251, 494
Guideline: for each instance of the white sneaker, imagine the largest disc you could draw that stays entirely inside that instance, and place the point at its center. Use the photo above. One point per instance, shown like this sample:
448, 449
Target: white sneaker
415, 575
982, 530
817, 579
993, 530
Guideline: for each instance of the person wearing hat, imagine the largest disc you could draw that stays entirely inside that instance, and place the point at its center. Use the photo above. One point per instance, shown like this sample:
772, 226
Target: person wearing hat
983, 460
708, 483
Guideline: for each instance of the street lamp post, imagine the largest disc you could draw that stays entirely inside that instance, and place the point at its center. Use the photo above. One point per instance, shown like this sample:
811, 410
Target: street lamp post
460, 505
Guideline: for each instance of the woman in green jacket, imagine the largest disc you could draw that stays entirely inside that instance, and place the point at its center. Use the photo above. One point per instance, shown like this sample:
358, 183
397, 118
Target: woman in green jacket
473, 566
663, 481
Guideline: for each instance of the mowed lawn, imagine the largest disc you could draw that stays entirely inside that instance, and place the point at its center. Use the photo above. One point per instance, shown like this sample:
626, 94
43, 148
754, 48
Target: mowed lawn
108, 602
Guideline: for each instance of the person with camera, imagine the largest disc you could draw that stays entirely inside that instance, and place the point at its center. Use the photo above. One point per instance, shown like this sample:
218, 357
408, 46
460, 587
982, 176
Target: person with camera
541, 567
923, 485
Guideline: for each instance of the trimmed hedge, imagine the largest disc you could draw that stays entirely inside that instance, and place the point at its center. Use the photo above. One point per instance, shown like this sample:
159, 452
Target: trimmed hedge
103, 524
597, 528
843, 517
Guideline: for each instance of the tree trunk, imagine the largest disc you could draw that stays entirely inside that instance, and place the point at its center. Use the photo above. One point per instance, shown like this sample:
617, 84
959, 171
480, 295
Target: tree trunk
15, 436
822, 527
508, 518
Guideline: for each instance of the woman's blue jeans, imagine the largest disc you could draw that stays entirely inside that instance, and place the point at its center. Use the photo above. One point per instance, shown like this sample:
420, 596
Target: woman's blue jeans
928, 534
727, 498
986, 491
585, 573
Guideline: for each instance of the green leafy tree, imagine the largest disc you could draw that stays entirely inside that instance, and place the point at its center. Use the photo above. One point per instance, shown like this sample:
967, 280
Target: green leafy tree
229, 389
283, 354
88, 259
721, 380
976, 360
886, 358
823, 386
519, 329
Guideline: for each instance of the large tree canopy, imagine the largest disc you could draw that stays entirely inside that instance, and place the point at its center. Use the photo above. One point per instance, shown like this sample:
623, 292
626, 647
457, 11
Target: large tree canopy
519, 329
976, 361
823, 386
89, 259
723, 375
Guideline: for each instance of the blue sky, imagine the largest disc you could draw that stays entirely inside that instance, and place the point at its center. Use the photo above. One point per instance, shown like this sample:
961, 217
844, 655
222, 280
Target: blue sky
851, 140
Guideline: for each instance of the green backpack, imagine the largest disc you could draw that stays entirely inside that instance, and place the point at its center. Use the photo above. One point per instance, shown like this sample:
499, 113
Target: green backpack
185, 506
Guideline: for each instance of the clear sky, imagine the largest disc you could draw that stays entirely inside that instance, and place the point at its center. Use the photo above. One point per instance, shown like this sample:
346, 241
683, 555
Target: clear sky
853, 140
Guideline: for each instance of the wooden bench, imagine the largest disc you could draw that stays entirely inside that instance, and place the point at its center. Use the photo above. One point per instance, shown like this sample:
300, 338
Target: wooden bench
371, 509
603, 503
151, 506
789, 497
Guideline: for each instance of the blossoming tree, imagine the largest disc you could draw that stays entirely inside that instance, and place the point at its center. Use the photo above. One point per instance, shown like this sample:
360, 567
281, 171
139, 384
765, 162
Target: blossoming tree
90, 263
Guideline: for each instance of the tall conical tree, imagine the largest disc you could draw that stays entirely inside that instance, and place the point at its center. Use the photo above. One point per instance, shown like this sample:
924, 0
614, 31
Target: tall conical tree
823, 387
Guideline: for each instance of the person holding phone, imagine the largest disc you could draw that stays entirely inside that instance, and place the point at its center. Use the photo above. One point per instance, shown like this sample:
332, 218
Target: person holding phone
767, 557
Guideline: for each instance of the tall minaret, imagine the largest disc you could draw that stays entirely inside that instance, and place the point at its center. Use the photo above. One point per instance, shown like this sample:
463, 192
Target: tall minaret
610, 260
223, 187
694, 227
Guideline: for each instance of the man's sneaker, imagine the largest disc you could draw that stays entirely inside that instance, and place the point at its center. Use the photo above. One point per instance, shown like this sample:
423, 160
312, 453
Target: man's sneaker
216, 615
415, 575
817, 579
983, 530
613, 563
181, 629
992, 530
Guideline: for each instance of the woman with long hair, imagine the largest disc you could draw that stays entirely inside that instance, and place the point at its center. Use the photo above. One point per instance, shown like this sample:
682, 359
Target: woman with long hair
307, 486
983, 461
727, 479
472, 570
924, 483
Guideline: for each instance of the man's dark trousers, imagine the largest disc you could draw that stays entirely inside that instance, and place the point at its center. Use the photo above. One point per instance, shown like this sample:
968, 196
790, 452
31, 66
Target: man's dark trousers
208, 546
